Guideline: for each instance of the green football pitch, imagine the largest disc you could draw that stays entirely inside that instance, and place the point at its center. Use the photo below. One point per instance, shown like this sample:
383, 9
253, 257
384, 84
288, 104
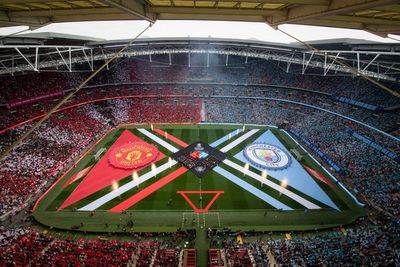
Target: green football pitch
165, 209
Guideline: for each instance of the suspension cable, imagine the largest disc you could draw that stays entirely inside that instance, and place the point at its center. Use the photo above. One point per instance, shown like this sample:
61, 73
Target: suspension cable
354, 71
71, 94
14, 33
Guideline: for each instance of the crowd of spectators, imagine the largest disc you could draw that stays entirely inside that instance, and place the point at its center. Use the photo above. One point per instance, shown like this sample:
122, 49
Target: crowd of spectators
366, 242
364, 245
368, 171
376, 137
86, 252
255, 72
155, 109
25, 246
267, 72
19, 246
21, 87
165, 95
247, 254
36, 162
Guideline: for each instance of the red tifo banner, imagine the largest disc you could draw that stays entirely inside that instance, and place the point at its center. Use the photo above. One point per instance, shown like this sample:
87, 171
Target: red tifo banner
318, 176
104, 174
34, 99
155, 186
78, 176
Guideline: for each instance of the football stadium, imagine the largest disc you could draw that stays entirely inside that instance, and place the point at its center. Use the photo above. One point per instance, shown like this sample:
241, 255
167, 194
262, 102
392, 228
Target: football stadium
199, 151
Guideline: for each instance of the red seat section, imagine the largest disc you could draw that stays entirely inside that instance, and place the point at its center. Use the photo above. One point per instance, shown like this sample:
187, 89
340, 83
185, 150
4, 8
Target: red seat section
215, 258
189, 258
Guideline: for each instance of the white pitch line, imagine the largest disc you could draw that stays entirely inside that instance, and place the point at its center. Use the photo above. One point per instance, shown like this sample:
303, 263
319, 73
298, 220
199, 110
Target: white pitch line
226, 137
294, 196
158, 140
113, 194
198, 220
239, 140
252, 189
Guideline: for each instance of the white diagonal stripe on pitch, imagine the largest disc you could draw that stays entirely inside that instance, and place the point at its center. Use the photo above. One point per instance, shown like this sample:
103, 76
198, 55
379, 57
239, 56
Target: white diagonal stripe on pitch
239, 140
158, 140
252, 189
294, 196
226, 137
115, 193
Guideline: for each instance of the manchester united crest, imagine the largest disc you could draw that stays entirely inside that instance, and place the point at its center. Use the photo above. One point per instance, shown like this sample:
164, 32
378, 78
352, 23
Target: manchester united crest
133, 155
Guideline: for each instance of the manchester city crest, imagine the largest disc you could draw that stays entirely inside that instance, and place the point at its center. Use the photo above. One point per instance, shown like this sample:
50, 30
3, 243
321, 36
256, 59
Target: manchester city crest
267, 156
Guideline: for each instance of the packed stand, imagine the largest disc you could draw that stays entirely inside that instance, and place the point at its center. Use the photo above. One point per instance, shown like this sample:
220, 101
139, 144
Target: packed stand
28, 247
365, 245
366, 242
117, 81
35, 163
19, 246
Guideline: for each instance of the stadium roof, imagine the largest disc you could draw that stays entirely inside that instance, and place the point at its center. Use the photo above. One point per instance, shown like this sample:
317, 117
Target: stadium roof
56, 35
25, 53
377, 16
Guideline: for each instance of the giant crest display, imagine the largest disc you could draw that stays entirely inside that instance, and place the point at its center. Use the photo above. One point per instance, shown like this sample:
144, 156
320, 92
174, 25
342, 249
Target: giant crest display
267, 156
133, 155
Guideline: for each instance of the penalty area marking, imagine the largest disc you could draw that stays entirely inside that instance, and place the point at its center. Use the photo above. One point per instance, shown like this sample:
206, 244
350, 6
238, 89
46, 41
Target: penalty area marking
215, 193
211, 213
194, 214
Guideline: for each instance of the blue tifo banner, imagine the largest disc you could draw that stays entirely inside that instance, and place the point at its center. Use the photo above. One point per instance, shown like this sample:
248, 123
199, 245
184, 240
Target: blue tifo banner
320, 154
381, 149
357, 103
